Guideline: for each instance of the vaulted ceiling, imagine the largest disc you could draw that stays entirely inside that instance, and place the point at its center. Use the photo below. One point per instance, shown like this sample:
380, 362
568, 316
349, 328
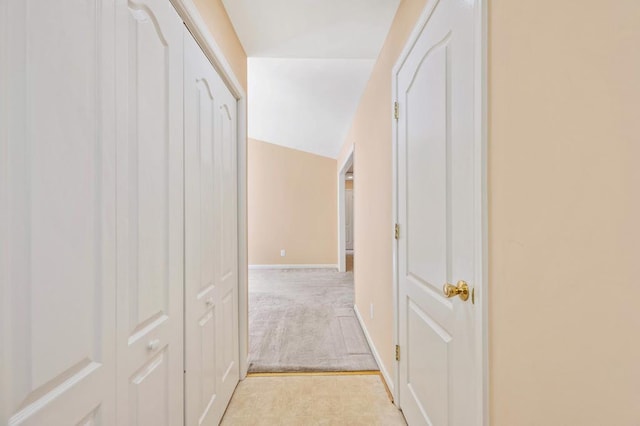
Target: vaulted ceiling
309, 62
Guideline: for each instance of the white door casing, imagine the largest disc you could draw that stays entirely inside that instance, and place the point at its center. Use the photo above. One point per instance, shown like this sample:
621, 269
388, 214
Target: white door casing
211, 286
150, 213
438, 142
57, 213
348, 219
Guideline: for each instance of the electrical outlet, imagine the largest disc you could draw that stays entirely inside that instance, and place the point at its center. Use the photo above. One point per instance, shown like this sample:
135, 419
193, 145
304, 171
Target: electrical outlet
283, 253
371, 311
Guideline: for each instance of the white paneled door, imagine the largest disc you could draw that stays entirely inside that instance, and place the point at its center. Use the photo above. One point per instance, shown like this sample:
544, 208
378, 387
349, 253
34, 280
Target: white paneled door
437, 218
150, 213
92, 218
211, 284
57, 213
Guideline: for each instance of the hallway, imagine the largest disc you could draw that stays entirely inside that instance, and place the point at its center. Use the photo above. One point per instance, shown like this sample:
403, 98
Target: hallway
176, 178
312, 400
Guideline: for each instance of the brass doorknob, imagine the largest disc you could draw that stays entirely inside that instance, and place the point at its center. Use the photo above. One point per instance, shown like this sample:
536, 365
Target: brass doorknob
462, 290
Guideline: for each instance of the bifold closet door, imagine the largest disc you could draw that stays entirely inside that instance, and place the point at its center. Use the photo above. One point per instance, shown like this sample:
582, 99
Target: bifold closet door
211, 284
150, 213
57, 213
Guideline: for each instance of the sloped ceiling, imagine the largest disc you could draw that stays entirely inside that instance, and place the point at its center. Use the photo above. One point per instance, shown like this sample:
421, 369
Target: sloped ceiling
309, 63
306, 104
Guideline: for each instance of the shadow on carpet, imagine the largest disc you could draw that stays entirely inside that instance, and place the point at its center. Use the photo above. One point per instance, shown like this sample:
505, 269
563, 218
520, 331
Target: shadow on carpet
303, 320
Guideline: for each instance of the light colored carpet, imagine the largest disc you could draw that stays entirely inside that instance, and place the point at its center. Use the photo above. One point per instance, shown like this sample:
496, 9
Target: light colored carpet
312, 400
303, 320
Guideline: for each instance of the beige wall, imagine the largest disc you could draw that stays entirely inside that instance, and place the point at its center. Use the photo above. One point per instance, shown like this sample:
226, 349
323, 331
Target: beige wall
348, 184
371, 133
219, 24
564, 209
292, 206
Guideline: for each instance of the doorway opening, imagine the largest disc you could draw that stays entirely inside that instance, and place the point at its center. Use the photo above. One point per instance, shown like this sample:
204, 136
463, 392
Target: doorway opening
349, 183
346, 241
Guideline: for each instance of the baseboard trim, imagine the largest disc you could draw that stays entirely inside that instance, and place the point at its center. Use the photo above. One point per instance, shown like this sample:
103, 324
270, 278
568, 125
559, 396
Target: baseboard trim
296, 266
317, 373
376, 355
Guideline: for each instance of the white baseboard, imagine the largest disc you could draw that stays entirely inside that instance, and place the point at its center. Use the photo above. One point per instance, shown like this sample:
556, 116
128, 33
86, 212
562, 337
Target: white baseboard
376, 355
296, 266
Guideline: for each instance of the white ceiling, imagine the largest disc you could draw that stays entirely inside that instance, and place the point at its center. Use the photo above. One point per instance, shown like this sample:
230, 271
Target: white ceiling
305, 104
309, 62
312, 28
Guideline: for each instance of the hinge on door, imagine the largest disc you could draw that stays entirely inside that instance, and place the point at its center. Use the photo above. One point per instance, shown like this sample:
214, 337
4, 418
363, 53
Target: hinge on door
397, 232
397, 352
396, 110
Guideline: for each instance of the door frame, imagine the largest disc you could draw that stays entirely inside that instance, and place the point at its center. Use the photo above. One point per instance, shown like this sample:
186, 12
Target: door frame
480, 200
342, 217
198, 28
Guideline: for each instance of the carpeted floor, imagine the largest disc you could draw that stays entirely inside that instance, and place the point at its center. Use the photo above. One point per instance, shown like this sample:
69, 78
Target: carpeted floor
303, 320
312, 400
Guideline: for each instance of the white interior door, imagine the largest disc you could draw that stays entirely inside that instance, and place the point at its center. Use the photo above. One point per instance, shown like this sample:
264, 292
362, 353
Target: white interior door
150, 214
349, 219
211, 286
57, 213
226, 246
436, 212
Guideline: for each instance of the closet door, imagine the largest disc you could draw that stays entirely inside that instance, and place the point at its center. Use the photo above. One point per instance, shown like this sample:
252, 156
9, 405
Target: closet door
150, 214
57, 213
226, 243
211, 327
